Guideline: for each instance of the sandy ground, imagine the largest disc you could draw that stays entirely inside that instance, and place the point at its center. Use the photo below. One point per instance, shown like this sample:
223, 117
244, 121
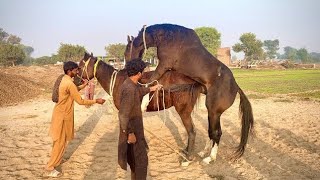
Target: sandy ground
286, 145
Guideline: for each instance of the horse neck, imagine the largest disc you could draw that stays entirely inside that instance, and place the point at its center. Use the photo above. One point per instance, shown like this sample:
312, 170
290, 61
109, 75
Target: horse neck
149, 34
104, 75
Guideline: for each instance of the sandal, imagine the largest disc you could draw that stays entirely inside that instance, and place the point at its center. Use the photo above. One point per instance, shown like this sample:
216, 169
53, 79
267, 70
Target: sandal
54, 173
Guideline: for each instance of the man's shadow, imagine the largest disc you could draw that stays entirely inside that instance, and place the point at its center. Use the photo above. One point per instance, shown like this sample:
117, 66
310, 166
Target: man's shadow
85, 130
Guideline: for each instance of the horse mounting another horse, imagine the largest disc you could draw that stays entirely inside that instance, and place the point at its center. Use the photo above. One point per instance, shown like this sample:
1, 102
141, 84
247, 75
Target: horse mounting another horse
180, 49
179, 91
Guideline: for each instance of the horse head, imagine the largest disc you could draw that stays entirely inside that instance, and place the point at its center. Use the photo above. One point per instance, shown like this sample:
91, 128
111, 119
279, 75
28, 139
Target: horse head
136, 46
129, 48
86, 66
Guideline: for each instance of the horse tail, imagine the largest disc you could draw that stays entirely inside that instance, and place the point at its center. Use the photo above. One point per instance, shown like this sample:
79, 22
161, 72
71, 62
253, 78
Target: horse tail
195, 91
245, 112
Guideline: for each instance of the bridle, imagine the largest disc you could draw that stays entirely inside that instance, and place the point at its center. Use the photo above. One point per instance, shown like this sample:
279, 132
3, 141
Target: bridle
113, 76
86, 63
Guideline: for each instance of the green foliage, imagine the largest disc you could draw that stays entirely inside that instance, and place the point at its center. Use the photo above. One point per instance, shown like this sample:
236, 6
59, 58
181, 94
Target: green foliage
28, 61
13, 39
210, 38
251, 47
151, 53
314, 57
3, 36
11, 54
71, 52
116, 50
46, 60
279, 81
303, 55
290, 53
300, 55
28, 50
271, 48
12, 51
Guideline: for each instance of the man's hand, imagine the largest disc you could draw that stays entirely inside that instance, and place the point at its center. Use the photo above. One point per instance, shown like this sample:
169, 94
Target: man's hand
100, 101
85, 82
156, 87
132, 138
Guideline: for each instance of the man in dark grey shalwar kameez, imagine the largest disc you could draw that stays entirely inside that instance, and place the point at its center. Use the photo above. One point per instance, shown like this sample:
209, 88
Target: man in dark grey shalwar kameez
132, 147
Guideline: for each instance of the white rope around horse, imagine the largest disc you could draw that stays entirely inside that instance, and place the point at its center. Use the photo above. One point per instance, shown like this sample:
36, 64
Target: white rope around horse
158, 105
112, 82
144, 39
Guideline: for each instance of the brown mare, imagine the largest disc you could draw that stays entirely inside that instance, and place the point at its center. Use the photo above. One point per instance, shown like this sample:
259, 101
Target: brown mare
180, 49
180, 91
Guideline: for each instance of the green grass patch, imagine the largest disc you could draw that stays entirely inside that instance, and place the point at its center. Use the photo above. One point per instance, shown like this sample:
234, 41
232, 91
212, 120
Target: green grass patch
300, 82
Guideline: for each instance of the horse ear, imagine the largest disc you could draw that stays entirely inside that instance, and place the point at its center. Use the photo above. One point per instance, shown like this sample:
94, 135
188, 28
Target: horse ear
132, 38
128, 38
85, 55
91, 54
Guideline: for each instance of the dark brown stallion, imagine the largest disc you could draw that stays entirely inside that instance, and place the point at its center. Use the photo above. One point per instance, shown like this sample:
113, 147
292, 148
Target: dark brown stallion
180, 91
180, 49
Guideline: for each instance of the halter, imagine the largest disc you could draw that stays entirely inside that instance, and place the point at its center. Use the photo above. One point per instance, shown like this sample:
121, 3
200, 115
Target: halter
86, 63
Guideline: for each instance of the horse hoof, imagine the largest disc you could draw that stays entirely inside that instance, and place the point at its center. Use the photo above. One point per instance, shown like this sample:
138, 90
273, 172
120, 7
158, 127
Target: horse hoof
185, 163
207, 160
202, 154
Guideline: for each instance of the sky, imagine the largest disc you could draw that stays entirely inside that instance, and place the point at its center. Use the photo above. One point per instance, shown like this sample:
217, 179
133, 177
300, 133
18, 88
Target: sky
94, 24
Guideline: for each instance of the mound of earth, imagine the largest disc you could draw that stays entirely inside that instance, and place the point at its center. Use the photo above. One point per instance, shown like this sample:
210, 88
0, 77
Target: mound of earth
21, 83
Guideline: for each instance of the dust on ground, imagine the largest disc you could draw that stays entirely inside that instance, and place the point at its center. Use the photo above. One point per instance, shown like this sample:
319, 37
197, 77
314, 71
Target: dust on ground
21, 83
286, 145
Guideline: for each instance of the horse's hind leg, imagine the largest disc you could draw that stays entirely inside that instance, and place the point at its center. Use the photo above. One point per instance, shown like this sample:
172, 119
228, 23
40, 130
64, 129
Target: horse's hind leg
185, 115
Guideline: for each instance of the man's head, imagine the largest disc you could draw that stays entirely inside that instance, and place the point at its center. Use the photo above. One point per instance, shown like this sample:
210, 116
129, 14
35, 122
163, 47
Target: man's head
135, 67
70, 68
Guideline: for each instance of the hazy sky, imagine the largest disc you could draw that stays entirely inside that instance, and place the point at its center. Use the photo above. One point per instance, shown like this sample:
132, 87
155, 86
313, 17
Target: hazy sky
44, 24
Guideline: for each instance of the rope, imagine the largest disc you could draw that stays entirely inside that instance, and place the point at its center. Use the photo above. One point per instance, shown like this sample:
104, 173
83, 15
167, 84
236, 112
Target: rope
144, 39
112, 82
158, 105
95, 69
86, 63
168, 145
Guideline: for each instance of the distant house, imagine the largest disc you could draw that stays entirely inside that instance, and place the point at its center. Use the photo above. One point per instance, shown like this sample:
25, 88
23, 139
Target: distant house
224, 55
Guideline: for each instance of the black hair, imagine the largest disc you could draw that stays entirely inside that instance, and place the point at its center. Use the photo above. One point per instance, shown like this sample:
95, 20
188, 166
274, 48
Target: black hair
69, 65
135, 66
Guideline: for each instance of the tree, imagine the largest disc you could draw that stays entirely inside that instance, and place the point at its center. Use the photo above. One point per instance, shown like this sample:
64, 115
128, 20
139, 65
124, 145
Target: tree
290, 53
151, 53
315, 57
210, 38
28, 50
116, 50
251, 46
13, 39
68, 52
3, 36
11, 54
303, 55
271, 47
